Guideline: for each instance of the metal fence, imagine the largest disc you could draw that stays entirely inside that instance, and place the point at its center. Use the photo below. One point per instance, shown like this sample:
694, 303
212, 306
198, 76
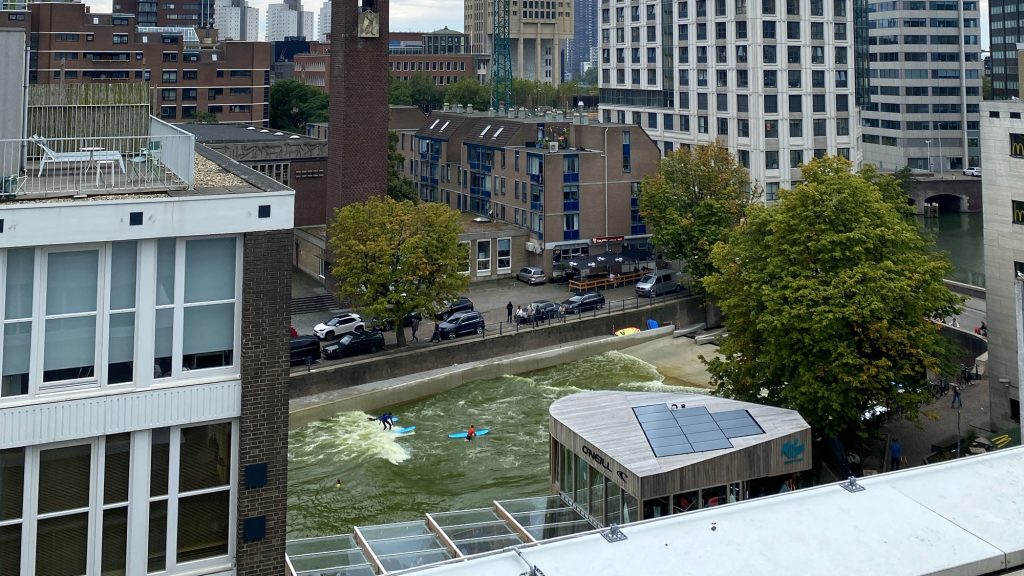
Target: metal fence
40, 165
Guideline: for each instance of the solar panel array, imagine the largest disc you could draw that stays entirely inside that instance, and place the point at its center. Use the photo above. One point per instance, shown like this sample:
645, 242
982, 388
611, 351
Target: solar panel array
689, 430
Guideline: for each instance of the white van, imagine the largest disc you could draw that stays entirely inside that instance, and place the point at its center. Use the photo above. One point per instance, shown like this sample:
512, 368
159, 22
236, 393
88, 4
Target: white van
659, 282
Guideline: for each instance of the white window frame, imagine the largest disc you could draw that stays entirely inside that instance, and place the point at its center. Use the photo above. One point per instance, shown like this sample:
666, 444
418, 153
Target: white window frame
506, 260
139, 500
480, 270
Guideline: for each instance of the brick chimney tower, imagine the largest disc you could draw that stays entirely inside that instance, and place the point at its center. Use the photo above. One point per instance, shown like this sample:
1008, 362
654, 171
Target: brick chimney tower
358, 138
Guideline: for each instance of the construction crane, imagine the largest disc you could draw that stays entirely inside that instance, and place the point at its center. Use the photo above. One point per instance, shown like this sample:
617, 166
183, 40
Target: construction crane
501, 57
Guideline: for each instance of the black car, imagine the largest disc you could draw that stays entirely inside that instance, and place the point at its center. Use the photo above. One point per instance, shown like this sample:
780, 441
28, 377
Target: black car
355, 343
387, 324
462, 304
582, 303
304, 349
542, 310
460, 324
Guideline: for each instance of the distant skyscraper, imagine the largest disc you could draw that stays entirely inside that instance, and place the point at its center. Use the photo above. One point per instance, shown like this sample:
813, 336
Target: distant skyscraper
236, 20
284, 21
538, 31
1006, 27
325, 21
925, 86
152, 13
584, 39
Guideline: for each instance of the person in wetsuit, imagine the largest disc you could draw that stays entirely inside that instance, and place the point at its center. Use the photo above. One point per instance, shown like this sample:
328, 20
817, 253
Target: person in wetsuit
471, 433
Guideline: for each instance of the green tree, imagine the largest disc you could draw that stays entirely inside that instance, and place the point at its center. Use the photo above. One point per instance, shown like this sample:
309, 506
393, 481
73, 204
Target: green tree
827, 297
294, 104
398, 93
986, 88
206, 118
468, 91
424, 93
399, 187
895, 187
395, 258
589, 77
697, 195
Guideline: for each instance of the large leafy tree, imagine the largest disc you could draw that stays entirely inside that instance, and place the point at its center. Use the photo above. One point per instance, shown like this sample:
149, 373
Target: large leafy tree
399, 187
827, 297
423, 92
398, 92
468, 91
396, 257
697, 195
294, 104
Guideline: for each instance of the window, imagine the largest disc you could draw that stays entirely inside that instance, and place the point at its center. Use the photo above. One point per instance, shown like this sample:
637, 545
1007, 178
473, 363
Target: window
768, 54
793, 78
771, 160
768, 29
796, 128
743, 127
771, 128
770, 78
69, 349
792, 30
120, 38
771, 104
504, 255
17, 334
795, 101
818, 103
796, 158
819, 127
170, 77
241, 73
483, 257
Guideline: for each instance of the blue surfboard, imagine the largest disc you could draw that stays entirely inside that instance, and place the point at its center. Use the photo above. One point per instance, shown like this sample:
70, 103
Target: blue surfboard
405, 430
480, 432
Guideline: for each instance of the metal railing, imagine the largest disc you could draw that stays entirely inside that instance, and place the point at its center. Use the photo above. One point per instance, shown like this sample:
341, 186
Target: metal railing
59, 166
178, 149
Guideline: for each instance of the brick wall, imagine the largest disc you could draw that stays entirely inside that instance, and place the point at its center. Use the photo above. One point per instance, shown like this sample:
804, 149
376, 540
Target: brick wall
266, 294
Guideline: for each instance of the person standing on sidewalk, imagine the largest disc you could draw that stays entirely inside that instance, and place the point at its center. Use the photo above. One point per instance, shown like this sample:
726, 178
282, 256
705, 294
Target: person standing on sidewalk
958, 402
509, 308
895, 453
415, 327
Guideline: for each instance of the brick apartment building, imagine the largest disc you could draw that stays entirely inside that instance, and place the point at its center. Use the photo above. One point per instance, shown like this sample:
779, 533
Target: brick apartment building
187, 73
198, 13
443, 54
573, 186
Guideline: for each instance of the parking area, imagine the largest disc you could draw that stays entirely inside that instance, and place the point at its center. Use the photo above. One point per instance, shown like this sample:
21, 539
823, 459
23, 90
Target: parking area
491, 299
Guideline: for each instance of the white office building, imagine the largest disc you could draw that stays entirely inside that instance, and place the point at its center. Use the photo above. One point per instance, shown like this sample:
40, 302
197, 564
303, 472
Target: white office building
925, 86
774, 80
325, 21
236, 20
283, 21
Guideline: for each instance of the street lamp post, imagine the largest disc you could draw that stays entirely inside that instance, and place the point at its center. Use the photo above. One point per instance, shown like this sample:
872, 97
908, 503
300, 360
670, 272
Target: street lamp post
929, 143
942, 169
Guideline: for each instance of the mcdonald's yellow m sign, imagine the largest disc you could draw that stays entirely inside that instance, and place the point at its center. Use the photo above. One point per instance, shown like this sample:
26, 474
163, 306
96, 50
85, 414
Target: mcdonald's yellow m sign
1016, 145
1018, 212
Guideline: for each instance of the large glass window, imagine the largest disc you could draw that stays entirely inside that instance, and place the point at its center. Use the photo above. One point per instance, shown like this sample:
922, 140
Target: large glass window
69, 350
209, 318
12, 478
121, 348
504, 254
17, 321
483, 257
62, 528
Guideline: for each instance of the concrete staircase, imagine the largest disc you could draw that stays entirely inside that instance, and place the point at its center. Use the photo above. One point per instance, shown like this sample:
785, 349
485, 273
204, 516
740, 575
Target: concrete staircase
317, 303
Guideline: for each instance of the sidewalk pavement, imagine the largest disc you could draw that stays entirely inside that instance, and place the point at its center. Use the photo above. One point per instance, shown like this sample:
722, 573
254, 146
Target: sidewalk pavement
936, 424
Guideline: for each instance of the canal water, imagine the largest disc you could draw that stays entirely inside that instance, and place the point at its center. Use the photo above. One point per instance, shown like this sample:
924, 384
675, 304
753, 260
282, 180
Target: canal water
389, 478
961, 235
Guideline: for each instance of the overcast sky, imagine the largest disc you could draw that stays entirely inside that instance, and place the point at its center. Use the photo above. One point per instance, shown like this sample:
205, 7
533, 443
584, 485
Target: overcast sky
429, 15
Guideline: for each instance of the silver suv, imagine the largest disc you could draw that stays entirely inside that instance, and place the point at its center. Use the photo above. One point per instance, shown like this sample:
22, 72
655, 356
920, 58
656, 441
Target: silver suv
531, 275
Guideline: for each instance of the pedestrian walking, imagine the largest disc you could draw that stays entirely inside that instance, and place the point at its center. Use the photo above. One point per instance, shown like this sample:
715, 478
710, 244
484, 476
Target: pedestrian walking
509, 307
958, 402
436, 336
415, 327
895, 453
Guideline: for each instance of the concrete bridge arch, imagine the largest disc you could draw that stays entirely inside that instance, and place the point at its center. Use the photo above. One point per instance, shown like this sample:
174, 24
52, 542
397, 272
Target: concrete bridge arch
957, 194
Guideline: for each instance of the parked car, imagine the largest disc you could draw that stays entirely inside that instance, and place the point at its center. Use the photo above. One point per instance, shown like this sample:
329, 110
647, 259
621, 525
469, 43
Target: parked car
582, 303
461, 304
973, 171
460, 324
542, 310
531, 275
303, 348
658, 282
387, 324
366, 341
338, 325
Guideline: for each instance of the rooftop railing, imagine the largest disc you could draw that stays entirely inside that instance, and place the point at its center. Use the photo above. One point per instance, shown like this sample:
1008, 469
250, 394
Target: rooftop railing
162, 160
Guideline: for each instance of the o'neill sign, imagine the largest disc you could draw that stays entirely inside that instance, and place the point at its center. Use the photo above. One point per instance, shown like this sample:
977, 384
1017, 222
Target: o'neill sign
1016, 145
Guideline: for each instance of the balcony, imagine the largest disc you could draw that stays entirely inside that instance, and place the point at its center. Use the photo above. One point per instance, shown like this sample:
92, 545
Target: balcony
55, 166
